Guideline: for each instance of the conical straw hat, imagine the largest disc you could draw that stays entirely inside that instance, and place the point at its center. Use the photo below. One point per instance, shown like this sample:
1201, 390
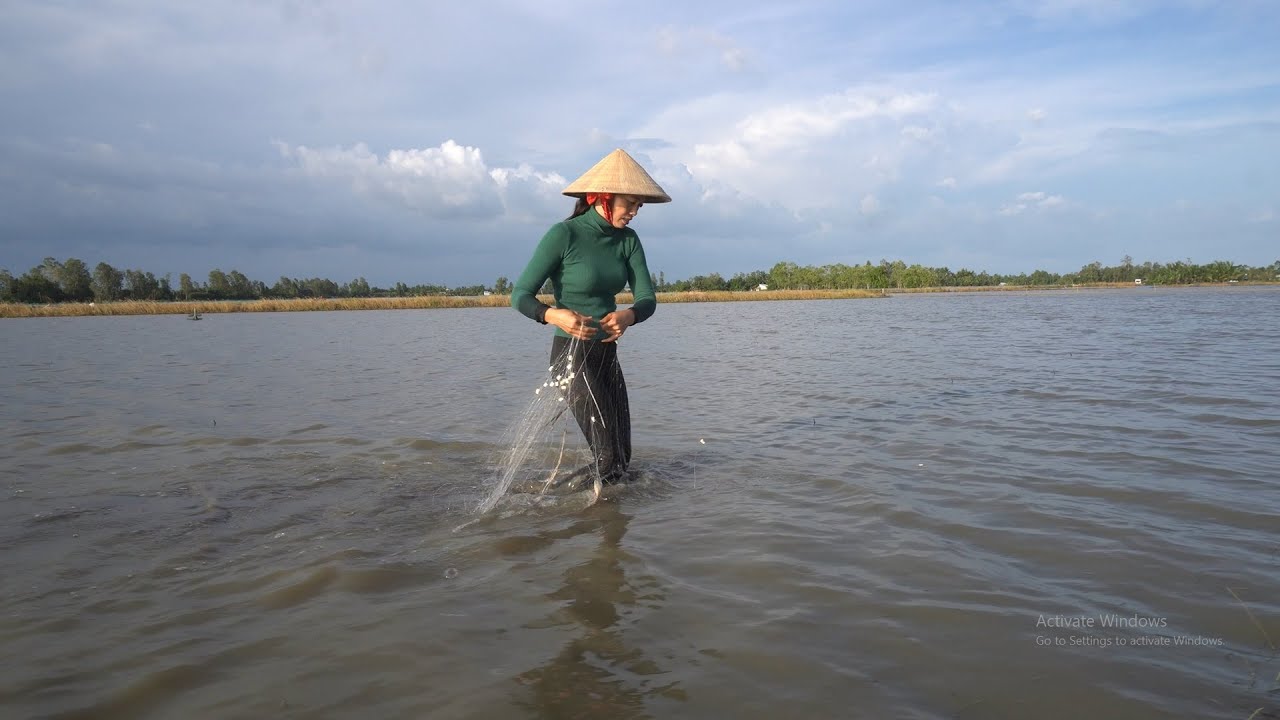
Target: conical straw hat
620, 174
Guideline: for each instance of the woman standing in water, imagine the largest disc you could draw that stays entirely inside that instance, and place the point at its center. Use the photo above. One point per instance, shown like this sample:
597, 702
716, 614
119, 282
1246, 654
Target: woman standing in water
589, 258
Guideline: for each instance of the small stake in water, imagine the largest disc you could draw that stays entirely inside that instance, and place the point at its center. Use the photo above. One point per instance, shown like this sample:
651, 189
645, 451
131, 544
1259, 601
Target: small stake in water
701, 441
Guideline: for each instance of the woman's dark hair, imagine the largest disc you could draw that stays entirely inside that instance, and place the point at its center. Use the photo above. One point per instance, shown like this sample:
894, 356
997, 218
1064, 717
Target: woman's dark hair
578, 208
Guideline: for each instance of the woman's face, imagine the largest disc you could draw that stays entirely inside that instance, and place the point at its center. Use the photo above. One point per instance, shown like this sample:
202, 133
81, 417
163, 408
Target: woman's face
625, 208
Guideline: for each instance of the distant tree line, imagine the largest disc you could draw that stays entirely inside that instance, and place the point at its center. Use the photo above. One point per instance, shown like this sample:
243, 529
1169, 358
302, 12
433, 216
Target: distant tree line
72, 281
898, 275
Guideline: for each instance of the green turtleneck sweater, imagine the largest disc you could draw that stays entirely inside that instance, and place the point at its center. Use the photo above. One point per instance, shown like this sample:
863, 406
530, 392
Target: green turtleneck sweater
589, 262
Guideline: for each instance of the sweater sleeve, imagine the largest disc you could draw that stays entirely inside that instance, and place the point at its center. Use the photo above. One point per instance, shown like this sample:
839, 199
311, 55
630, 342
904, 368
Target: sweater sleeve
645, 301
546, 259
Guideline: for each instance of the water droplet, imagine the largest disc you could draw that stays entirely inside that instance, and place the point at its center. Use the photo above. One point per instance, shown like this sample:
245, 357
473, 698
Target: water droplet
451, 573
704, 442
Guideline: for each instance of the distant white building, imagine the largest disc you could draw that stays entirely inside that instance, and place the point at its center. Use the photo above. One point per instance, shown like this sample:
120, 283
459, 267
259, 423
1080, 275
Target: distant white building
1137, 281
762, 287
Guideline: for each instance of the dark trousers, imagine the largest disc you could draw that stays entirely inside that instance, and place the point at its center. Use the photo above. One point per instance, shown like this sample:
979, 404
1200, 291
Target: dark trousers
598, 398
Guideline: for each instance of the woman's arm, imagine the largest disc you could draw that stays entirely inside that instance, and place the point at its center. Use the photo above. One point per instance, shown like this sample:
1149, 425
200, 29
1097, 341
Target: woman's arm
546, 259
524, 296
644, 302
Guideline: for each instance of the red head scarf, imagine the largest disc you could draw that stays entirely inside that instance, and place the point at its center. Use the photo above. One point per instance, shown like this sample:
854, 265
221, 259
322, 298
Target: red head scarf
608, 203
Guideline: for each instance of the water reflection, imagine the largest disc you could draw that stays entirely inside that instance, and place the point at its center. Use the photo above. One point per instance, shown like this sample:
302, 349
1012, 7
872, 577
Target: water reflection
596, 674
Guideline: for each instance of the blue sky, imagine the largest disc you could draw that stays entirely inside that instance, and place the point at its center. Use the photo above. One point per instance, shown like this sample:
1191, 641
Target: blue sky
427, 142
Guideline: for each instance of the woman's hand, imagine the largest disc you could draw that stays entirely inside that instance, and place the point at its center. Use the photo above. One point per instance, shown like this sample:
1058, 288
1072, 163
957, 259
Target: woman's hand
616, 323
574, 323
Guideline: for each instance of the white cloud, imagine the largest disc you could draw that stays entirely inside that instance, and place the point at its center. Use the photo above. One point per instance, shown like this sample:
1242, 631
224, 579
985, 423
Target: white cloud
790, 152
786, 126
1038, 200
947, 182
1037, 115
870, 205
505, 176
448, 181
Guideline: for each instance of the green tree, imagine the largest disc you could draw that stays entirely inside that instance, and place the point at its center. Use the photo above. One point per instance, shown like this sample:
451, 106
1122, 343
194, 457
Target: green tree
1126, 273
782, 276
143, 286
75, 281
286, 288
502, 286
36, 287
1043, 277
219, 286
51, 270
708, 283
897, 273
6, 285
1091, 273
1221, 271
239, 287
186, 289
359, 288
320, 288
857, 276
875, 276
916, 276
107, 283
748, 281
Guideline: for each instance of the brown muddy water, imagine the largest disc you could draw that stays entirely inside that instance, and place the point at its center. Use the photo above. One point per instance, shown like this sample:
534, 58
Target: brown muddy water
1051, 505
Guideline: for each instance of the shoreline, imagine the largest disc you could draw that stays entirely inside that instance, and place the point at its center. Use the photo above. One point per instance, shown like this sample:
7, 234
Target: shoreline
420, 302
424, 302
1080, 286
